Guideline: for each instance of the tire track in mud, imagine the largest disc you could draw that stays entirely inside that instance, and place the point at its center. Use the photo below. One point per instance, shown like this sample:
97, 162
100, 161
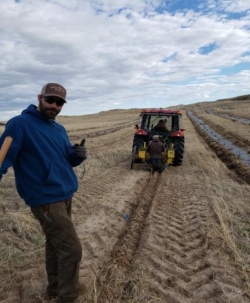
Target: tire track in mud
117, 270
176, 245
173, 263
166, 240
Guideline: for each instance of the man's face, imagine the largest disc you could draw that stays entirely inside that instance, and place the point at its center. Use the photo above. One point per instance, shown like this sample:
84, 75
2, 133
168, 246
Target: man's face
50, 106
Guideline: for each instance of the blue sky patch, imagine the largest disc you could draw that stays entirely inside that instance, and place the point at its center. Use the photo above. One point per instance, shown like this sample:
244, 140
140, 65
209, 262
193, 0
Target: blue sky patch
231, 16
185, 5
235, 69
204, 50
169, 58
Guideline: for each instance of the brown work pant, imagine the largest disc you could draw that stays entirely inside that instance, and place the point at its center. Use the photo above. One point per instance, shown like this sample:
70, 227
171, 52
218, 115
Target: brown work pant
63, 249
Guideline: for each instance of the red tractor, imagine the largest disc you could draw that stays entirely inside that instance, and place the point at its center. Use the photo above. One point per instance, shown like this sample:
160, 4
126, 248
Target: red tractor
166, 124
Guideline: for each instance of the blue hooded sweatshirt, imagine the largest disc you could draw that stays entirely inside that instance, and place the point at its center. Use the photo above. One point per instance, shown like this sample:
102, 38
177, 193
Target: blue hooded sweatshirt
42, 158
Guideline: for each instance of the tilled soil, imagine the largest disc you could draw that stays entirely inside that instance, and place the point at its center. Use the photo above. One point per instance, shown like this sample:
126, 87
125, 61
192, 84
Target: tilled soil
156, 238
236, 134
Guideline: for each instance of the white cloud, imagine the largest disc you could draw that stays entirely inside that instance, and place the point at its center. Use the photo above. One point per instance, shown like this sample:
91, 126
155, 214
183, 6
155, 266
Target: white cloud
235, 6
111, 54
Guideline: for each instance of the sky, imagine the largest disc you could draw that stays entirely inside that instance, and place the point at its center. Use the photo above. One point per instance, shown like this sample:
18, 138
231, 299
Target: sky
122, 54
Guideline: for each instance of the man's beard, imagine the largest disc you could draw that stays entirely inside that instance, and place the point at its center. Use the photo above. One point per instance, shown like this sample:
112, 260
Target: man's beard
48, 113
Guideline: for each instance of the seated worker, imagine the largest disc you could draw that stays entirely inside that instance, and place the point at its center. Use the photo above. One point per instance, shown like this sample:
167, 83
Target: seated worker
160, 127
155, 150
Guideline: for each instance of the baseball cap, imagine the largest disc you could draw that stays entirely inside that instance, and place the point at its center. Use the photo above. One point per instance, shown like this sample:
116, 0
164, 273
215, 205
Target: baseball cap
54, 89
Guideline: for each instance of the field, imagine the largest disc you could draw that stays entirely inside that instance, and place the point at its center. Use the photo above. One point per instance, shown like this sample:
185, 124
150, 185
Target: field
177, 237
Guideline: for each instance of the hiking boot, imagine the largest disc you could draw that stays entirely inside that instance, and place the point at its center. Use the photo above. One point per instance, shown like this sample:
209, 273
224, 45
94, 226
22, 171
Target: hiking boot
82, 290
49, 297
51, 294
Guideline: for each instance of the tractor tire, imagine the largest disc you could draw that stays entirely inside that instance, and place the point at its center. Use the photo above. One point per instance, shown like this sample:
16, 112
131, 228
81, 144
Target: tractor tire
133, 158
137, 143
179, 150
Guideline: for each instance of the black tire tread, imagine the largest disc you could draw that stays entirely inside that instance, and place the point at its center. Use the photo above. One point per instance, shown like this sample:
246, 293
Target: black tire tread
179, 150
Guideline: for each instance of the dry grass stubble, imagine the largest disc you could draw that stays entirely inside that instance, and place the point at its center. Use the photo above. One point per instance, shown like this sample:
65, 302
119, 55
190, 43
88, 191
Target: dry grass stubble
229, 230
22, 259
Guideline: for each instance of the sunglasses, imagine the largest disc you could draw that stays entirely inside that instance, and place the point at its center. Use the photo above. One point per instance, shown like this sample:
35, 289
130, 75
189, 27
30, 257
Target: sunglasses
51, 100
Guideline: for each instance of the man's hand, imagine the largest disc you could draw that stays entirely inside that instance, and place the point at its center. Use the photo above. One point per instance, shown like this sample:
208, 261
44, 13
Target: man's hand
81, 150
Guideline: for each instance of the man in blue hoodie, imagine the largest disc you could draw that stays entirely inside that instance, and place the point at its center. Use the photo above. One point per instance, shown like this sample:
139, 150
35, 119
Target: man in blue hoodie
43, 159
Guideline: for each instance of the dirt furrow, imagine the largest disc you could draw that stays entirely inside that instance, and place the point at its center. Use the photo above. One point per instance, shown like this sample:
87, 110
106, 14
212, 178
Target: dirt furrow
178, 237
174, 262
231, 161
118, 268
100, 218
175, 245
229, 135
93, 133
